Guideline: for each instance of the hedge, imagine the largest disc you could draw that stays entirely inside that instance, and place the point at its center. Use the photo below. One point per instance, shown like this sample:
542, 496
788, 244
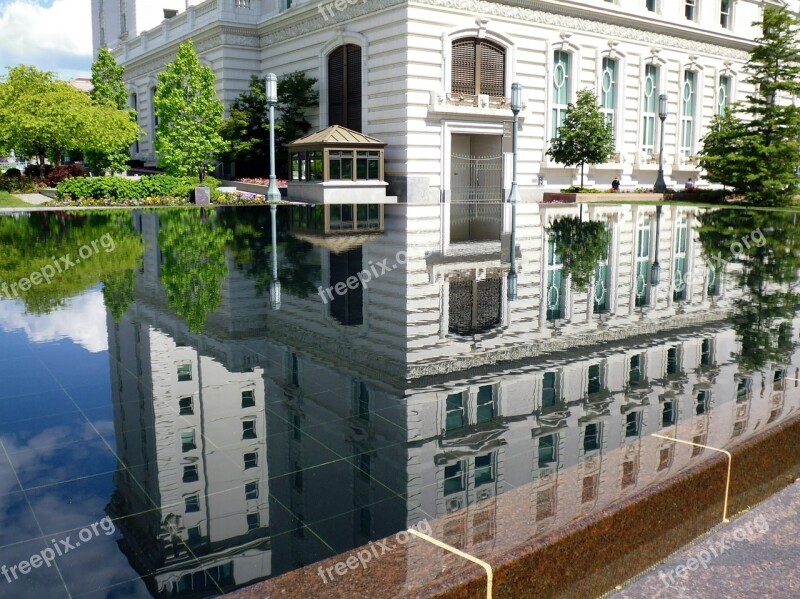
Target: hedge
119, 188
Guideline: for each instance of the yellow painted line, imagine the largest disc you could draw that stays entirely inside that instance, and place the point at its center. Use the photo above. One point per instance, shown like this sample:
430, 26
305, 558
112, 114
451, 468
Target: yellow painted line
727, 481
460, 553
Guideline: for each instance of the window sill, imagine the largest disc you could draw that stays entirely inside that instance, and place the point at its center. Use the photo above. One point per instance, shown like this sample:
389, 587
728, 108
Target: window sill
466, 105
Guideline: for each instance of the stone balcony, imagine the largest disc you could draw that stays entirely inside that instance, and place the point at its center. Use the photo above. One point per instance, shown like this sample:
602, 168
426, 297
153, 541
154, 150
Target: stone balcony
471, 104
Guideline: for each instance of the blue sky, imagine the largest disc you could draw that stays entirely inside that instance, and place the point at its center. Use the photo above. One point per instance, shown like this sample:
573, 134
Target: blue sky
53, 35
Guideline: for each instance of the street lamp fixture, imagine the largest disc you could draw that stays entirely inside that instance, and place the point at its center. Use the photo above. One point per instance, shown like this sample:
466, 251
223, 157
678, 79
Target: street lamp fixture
661, 186
513, 197
273, 194
274, 284
655, 269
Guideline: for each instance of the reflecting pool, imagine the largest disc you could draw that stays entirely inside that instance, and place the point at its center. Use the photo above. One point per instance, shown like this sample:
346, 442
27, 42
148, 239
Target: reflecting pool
194, 400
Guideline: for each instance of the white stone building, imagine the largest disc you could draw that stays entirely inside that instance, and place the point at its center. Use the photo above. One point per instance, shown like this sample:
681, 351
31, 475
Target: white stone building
432, 78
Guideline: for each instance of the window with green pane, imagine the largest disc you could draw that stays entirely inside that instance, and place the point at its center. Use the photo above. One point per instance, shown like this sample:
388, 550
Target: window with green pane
299, 166
187, 440
608, 91
668, 413
368, 166
315, 166
595, 383
649, 101
184, 372
591, 437
453, 478
702, 402
549, 389
642, 281
635, 371
192, 503
368, 216
484, 471
485, 404
601, 288
340, 165
547, 450
679, 288
673, 363
455, 412
561, 89
688, 103
632, 420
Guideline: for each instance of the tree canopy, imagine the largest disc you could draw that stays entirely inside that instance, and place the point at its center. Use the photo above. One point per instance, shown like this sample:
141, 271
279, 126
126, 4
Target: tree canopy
43, 117
584, 137
755, 146
189, 114
581, 244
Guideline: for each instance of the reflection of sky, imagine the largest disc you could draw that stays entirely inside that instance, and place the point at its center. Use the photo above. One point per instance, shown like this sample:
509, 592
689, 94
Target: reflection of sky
83, 320
57, 444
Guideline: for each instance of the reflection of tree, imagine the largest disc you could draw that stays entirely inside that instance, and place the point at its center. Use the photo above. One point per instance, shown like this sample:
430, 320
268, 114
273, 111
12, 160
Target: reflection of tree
35, 241
193, 245
251, 248
767, 246
118, 293
580, 244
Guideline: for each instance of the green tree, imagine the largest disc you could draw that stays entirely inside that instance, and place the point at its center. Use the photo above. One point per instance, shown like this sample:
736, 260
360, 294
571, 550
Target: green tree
108, 85
108, 88
195, 263
247, 129
189, 113
584, 137
581, 244
46, 118
756, 149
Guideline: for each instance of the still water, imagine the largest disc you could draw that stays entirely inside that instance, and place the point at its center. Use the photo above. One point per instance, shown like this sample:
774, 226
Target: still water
191, 403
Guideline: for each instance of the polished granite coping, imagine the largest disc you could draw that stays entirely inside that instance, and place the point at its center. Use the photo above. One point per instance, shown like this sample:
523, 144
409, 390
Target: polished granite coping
589, 557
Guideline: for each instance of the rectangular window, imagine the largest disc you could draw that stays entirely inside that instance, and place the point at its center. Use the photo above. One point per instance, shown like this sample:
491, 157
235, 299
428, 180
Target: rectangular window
194, 535
253, 521
705, 352
673, 363
250, 460
251, 490
547, 450
187, 440
589, 491
608, 91
249, 429
184, 372
665, 458
190, 473
248, 398
340, 166
555, 282
642, 262
702, 402
628, 473
485, 404
725, 13
688, 101
690, 9
561, 89
192, 503
649, 108
602, 281
362, 401
545, 504
595, 382
549, 395
632, 424
368, 216
591, 437
368, 166
650, 5
484, 472
295, 370
169, 13
453, 478
723, 95
668, 414
455, 418
679, 287
743, 389
185, 406
635, 374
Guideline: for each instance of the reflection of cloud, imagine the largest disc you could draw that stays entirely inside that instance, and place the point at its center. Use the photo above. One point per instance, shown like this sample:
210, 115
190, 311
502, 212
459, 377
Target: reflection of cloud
83, 320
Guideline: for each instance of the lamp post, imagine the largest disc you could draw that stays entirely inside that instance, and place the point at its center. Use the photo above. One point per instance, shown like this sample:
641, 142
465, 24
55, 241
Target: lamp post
513, 197
655, 269
275, 284
661, 186
273, 194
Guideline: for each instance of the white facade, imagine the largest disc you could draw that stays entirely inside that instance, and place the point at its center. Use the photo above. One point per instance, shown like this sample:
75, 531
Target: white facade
621, 50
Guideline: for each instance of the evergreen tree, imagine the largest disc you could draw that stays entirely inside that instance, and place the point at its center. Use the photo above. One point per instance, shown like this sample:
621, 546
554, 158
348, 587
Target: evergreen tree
756, 148
584, 137
189, 113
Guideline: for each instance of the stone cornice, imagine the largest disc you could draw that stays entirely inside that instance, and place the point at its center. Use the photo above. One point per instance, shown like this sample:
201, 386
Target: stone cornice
607, 23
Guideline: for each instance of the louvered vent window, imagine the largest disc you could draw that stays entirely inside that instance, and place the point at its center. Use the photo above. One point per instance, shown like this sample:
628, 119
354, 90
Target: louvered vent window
478, 67
344, 87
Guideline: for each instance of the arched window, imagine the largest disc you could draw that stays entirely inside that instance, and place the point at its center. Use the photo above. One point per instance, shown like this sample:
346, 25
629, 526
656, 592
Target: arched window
478, 67
688, 106
344, 87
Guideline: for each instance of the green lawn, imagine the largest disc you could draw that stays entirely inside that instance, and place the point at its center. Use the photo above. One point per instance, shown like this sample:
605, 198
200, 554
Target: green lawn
9, 201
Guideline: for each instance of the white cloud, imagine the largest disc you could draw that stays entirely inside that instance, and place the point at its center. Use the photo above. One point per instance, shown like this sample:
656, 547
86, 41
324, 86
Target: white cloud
83, 320
55, 38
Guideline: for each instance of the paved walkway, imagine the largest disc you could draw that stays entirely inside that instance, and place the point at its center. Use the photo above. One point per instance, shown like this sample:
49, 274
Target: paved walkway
32, 198
755, 555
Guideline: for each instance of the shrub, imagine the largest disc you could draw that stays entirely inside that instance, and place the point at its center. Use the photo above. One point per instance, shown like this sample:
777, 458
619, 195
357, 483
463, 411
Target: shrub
574, 189
64, 172
36, 172
119, 188
13, 172
14, 184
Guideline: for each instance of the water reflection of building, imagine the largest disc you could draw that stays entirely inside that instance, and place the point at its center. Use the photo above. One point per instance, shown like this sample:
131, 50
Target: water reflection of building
441, 396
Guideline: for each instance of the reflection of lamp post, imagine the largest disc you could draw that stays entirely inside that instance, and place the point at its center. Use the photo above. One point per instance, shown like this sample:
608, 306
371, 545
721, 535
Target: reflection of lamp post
274, 284
513, 197
661, 186
273, 194
655, 270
